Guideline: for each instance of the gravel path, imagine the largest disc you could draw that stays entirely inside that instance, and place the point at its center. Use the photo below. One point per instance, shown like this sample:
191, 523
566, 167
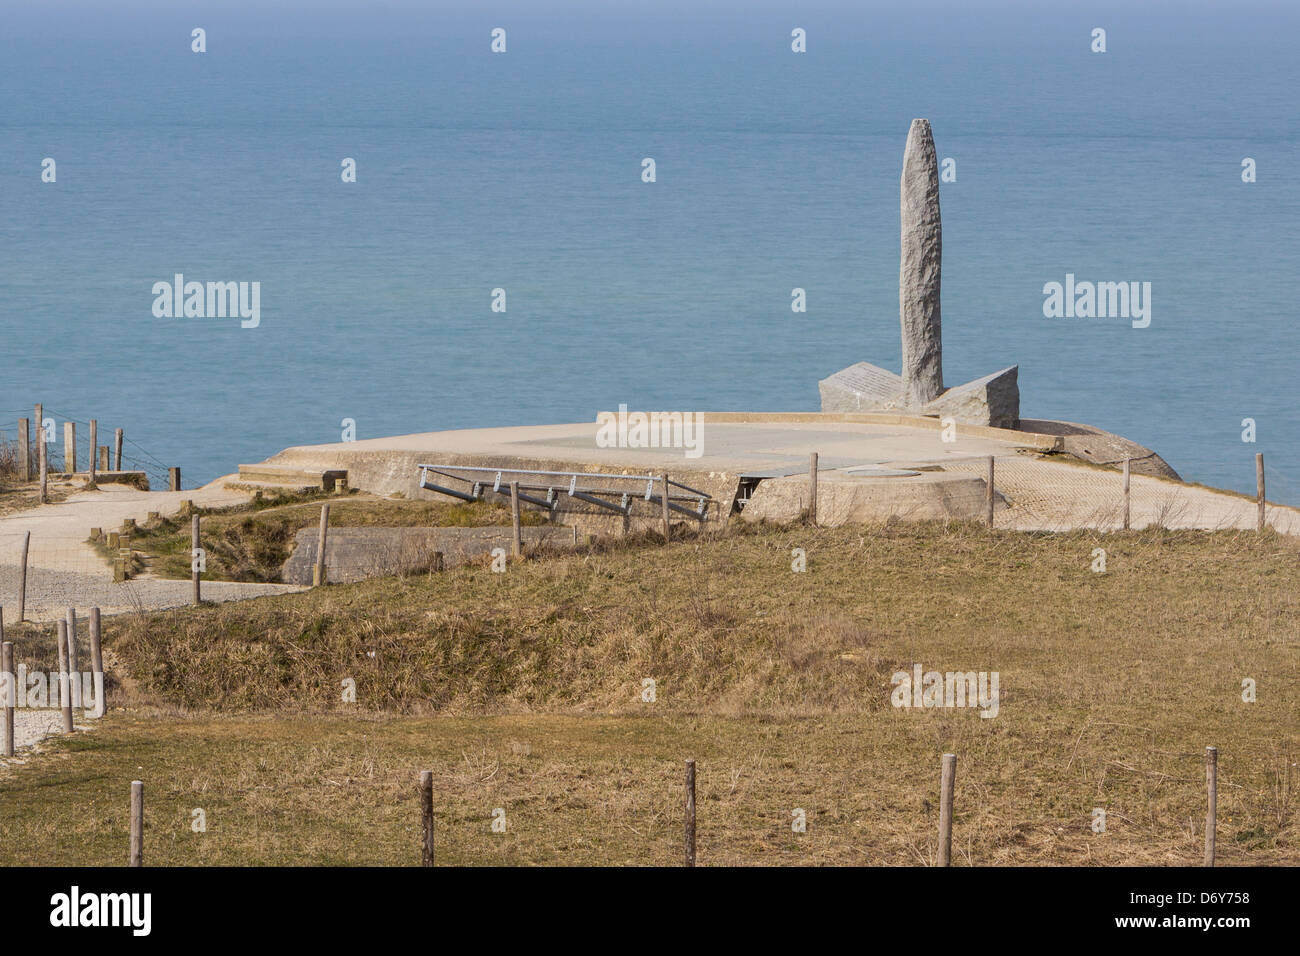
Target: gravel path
60, 531
33, 726
51, 593
64, 571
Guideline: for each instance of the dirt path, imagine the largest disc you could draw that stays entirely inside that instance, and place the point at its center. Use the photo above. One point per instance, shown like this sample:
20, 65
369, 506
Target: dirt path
64, 570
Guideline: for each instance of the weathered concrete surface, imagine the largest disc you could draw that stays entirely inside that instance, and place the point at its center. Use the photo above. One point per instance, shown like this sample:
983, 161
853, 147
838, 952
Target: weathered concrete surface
733, 444
1031, 494
992, 400
920, 269
1103, 448
846, 499
860, 388
1051, 493
355, 554
1056, 494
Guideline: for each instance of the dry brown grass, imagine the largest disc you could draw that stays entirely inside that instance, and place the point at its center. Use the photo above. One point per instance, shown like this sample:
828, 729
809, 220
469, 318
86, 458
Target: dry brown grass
522, 691
608, 791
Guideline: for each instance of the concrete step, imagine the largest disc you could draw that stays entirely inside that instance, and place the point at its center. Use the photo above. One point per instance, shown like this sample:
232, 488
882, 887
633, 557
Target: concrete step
280, 476
278, 486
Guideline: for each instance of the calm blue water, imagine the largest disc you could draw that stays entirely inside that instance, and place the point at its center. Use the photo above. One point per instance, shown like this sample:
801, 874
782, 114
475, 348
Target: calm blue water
522, 171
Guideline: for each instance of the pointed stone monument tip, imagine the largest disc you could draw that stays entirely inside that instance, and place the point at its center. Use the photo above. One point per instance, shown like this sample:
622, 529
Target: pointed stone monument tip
991, 400
920, 268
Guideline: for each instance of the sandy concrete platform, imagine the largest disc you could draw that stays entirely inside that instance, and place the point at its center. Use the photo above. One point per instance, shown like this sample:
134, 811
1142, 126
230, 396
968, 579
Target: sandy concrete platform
731, 445
872, 467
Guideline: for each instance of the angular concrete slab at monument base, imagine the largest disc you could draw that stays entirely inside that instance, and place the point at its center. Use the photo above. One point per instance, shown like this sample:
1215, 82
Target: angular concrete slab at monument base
992, 400
861, 388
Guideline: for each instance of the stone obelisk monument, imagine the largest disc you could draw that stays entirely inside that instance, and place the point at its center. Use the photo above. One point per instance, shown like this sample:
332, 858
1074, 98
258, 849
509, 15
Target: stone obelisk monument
920, 268
991, 400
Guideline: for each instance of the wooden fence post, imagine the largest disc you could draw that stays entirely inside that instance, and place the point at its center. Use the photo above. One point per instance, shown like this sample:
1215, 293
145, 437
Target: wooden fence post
69, 447
65, 697
668, 524
1128, 508
22, 578
1259, 488
426, 817
690, 813
43, 460
1211, 810
40, 445
90, 453
24, 449
318, 577
989, 494
74, 689
137, 824
194, 557
947, 781
96, 663
104, 460
516, 547
812, 488
7, 665
173, 479
117, 444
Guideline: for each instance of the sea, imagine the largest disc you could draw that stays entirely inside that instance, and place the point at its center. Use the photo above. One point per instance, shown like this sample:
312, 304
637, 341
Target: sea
516, 177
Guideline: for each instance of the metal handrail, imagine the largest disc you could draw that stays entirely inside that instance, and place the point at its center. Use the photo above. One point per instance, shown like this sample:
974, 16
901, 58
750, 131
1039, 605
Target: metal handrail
477, 488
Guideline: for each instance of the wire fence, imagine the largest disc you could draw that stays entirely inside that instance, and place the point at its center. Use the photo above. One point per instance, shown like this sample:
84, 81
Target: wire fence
134, 457
1043, 494
1214, 806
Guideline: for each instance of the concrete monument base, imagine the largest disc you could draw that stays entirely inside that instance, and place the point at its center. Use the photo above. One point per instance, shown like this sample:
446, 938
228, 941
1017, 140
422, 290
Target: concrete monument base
993, 400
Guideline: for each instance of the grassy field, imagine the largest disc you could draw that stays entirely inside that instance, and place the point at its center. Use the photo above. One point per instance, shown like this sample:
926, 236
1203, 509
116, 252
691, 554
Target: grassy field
523, 691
